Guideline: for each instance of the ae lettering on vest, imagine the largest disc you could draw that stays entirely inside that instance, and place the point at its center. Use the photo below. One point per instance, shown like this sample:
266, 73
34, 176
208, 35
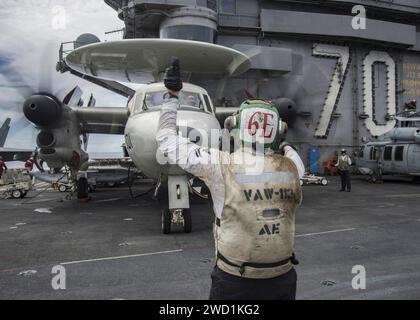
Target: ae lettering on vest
270, 229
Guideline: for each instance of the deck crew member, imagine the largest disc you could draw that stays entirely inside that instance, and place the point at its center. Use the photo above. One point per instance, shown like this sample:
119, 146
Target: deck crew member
254, 204
410, 106
3, 166
343, 163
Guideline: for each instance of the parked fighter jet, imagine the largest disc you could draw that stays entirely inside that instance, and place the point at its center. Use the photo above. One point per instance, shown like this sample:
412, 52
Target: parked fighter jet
9, 154
396, 153
139, 61
97, 176
4, 131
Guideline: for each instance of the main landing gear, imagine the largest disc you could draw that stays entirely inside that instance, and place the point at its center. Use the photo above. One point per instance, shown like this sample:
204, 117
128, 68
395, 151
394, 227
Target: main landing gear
82, 186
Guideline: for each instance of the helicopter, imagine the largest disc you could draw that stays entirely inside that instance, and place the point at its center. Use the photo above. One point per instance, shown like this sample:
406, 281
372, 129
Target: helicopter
395, 153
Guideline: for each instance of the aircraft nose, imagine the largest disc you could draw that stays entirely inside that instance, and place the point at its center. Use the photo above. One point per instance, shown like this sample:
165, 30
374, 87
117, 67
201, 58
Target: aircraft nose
42, 109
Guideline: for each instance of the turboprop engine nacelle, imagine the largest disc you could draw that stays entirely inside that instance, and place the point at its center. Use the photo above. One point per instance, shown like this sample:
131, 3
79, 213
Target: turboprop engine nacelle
59, 137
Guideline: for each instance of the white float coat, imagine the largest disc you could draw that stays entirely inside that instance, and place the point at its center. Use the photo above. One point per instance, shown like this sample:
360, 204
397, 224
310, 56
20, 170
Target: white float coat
198, 161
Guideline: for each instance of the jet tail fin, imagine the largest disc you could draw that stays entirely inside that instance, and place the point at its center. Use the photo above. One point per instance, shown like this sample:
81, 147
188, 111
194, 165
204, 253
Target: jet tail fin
4, 131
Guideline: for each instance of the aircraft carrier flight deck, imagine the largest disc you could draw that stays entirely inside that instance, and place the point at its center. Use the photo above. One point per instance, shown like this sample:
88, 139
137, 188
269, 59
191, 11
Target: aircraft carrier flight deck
318, 89
113, 248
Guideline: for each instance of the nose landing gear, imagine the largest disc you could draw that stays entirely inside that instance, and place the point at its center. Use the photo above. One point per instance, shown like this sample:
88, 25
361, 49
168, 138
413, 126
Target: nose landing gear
178, 212
181, 217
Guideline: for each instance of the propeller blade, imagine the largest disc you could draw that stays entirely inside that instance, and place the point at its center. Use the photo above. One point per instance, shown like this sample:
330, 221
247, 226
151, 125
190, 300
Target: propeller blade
86, 136
249, 94
14, 79
47, 68
38, 163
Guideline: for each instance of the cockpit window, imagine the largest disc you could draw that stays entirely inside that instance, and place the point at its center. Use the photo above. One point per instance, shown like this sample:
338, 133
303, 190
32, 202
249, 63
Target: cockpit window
190, 99
154, 99
207, 99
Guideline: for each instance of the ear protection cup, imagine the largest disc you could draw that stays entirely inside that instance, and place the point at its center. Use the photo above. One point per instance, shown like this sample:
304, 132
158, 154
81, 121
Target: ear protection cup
231, 122
283, 128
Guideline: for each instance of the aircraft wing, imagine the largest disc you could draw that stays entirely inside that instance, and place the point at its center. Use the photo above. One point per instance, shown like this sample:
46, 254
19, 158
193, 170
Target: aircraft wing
102, 120
15, 154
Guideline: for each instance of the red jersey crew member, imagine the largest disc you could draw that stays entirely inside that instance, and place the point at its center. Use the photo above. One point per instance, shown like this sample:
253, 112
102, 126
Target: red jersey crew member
3, 166
29, 164
254, 205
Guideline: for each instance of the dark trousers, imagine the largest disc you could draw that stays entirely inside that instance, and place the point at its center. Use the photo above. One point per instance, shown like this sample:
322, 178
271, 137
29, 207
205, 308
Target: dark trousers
345, 180
229, 287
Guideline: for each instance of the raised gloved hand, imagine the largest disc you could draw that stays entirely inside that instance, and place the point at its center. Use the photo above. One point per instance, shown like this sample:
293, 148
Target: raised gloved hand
173, 81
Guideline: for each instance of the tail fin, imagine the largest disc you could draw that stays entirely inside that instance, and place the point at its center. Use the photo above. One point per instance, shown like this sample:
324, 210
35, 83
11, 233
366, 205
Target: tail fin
4, 131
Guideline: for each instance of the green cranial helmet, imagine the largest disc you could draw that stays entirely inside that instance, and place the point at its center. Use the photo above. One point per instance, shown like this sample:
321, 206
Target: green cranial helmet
259, 123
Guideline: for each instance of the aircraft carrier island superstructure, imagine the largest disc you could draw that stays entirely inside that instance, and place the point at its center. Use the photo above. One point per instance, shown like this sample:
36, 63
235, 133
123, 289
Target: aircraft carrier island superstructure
343, 79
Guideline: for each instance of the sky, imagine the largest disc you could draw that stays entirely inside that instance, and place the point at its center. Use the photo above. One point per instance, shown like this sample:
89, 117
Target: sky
30, 37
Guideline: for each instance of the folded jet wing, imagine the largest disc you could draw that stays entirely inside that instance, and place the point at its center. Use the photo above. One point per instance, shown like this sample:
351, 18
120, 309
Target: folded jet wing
4, 131
9, 154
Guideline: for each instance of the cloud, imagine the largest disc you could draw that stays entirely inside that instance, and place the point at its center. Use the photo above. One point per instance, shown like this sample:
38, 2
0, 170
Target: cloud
32, 32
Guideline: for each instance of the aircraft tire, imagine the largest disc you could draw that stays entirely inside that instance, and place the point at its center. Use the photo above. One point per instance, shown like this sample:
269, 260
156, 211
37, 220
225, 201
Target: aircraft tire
82, 189
187, 220
16, 194
374, 178
166, 221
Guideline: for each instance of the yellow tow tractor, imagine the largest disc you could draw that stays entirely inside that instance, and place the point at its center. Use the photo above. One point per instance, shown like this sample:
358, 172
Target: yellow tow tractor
15, 184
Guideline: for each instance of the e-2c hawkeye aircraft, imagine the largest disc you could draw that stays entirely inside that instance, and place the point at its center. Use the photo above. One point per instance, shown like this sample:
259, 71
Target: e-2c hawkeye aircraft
137, 61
